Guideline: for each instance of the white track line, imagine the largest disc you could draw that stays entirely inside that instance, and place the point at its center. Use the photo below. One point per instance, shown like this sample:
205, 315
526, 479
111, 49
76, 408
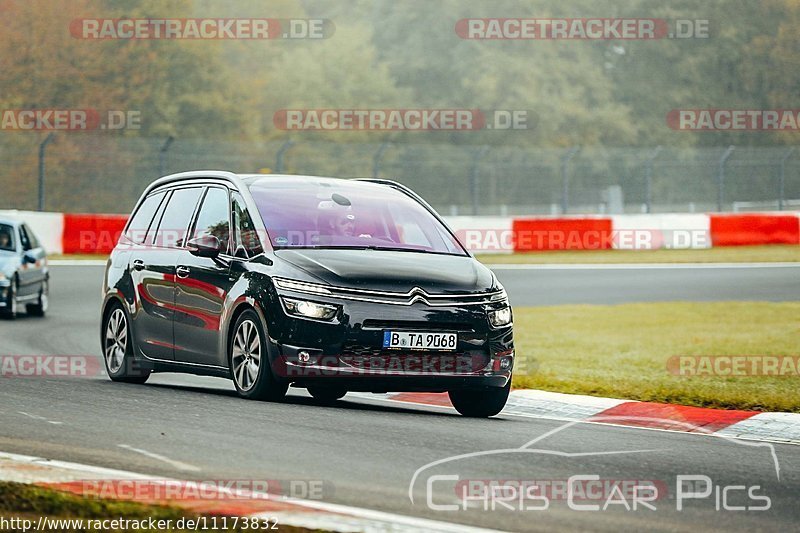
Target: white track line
177, 464
76, 262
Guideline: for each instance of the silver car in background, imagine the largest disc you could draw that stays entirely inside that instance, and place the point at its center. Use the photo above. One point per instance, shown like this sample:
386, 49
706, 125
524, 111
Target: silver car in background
24, 276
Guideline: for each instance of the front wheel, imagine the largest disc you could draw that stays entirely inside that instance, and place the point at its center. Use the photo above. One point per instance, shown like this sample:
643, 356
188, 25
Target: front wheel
480, 403
249, 361
118, 349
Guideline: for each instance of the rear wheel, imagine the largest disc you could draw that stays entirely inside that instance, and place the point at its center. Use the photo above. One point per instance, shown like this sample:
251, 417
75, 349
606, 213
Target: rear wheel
249, 361
327, 394
480, 403
11, 308
118, 349
41, 305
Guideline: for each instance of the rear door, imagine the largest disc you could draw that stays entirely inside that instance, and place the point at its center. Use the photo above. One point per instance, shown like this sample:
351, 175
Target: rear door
202, 285
158, 233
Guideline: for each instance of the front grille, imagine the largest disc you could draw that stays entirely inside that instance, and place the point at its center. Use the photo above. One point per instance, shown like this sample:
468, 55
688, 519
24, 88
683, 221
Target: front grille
420, 325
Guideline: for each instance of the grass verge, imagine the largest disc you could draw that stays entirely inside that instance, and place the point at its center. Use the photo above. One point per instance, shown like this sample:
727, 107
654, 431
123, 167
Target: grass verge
731, 254
29, 502
622, 351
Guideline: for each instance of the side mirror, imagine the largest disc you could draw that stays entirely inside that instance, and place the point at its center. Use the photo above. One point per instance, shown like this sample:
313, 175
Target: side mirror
205, 246
28, 258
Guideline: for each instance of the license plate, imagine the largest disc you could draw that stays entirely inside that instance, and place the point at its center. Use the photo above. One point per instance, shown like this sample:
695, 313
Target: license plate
420, 340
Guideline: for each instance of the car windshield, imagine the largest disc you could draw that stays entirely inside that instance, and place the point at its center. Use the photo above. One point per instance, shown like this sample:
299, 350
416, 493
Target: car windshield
6, 238
329, 213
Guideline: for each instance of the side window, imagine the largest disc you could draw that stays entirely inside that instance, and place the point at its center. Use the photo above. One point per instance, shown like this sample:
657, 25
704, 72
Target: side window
34, 242
214, 217
177, 216
246, 243
137, 227
23, 239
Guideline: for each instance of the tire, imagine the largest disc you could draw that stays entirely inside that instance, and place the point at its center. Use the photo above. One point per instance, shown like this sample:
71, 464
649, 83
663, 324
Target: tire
10, 311
40, 307
480, 403
326, 394
249, 361
117, 344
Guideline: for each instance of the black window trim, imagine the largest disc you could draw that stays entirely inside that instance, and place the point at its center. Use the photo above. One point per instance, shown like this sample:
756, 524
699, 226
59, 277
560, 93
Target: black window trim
196, 215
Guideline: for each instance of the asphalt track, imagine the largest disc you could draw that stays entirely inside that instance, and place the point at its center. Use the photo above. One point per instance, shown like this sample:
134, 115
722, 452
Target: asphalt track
366, 451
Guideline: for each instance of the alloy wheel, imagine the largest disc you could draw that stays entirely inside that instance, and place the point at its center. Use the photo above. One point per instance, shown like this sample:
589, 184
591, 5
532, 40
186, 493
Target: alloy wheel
116, 340
246, 357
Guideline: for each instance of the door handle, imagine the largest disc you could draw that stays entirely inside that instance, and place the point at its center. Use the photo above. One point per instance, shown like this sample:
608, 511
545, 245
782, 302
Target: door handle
182, 272
138, 264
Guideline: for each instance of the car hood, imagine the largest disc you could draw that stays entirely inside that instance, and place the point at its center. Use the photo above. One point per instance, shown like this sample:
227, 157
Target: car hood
392, 271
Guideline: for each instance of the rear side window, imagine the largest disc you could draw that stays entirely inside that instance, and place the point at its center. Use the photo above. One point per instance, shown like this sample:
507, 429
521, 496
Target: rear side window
141, 220
246, 243
177, 216
214, 217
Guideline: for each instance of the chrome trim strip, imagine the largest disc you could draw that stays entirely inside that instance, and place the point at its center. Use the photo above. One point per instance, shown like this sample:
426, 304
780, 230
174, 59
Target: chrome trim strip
171, 361
408, 298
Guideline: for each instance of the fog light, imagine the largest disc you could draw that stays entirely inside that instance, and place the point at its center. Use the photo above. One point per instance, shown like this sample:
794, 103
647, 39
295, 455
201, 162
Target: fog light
308, 309
304, 356
500, 317
505, 363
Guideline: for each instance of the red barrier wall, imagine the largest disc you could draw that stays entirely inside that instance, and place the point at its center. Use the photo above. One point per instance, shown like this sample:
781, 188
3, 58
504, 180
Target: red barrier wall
562, 234
92, 234
738, 230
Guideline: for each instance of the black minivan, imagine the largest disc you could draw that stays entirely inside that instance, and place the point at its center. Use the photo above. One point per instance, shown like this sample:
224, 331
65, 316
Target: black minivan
329, 284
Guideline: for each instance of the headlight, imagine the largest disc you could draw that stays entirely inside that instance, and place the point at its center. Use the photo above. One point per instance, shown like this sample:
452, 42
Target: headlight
500, 317
307, 309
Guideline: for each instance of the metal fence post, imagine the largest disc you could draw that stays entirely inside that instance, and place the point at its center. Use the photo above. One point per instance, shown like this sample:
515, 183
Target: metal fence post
376, 159
162, 155
648, 178
280, 155
42, 148
473, 182
721, 177
782, 184
565, 177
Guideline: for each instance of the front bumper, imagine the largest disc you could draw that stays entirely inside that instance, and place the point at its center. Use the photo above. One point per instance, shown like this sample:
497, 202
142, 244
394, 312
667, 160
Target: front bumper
348, 352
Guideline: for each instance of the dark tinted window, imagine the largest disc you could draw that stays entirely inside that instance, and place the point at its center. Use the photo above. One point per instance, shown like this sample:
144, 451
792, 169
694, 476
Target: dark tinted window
7, 238
137, 228
177, 216
213, 218
246, 242
31, 237
23, 239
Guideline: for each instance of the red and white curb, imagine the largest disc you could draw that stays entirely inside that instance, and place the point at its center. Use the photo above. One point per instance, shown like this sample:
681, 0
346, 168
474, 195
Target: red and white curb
311, 514
750, 425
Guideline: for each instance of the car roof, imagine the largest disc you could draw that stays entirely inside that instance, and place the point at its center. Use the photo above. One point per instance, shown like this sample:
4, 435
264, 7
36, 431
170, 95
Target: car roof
242, 181
10, 222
